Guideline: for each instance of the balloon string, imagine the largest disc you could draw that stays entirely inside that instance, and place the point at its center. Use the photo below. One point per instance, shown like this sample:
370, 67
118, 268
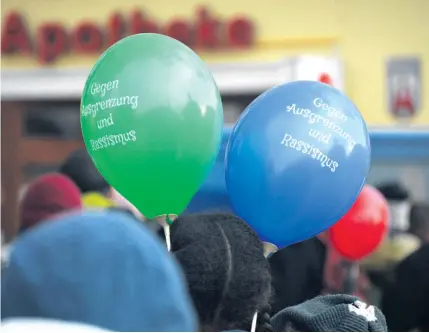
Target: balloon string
167, 236
254, 322
166, 225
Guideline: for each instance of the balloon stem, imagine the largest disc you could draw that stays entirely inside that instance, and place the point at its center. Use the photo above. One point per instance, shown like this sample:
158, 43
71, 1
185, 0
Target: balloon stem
254, 322
269, 249
165, 222
351, 278
166, 227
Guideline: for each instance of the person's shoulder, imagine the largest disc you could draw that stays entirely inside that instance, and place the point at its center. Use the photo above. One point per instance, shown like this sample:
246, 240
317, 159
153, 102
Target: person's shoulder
414, 269
316, 243
312, 244
419, 258
302, 251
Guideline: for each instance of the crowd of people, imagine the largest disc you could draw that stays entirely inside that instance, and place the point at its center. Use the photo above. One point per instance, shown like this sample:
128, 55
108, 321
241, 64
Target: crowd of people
85, 256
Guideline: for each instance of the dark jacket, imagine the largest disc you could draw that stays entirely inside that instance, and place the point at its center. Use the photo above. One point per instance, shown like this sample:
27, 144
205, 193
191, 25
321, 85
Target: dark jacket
297, 273
405, 303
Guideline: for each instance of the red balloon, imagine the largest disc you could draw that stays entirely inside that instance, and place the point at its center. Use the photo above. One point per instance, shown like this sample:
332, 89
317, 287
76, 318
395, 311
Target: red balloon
363, 228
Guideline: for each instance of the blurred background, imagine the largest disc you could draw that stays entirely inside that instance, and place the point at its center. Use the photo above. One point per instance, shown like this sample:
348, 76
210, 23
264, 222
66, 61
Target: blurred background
376, 51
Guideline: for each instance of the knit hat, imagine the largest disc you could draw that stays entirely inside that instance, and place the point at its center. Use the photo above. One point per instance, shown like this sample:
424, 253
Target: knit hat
99, 268
45, 326
47, 196
80, 168
332, 313
227, 273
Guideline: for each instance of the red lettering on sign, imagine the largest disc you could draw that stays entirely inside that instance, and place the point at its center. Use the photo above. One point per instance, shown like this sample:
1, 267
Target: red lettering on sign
88, 38
52, 41
14, 36
139, 23
180, 30
206, 32
116, 28
240, 32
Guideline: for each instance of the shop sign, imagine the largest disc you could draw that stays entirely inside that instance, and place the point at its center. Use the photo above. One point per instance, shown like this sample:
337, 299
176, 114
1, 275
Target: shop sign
52, 39
404, 86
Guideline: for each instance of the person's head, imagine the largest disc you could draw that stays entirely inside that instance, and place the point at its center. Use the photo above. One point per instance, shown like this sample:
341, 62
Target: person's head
99, 268
394, 191
419, 221
46, 197
399, 202
80, 168
227, 273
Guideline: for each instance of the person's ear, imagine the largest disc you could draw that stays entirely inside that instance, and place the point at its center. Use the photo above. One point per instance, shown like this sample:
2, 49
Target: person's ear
110, 193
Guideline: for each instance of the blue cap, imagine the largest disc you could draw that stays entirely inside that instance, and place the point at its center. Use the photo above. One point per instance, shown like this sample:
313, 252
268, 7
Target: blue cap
98, 268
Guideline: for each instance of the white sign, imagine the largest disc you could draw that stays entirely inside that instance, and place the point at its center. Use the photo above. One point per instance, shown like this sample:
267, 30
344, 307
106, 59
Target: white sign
404, 86
231, 78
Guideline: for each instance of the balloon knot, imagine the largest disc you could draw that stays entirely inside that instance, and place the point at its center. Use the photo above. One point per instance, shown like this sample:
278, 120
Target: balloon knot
168, 220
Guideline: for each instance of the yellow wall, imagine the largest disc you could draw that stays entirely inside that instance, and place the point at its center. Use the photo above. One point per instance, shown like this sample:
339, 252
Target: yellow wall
366, 33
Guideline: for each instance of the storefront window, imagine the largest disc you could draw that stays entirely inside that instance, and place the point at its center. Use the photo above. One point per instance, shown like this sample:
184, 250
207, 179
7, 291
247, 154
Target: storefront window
59, 120
32, 171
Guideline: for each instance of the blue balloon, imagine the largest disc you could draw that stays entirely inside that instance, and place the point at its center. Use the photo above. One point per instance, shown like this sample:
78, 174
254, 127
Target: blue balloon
296, 161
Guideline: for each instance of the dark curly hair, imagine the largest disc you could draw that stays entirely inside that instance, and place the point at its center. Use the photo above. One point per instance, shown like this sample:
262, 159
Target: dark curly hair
228, 275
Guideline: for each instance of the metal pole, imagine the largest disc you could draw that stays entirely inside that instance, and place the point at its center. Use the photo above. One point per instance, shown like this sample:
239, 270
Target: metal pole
351, 277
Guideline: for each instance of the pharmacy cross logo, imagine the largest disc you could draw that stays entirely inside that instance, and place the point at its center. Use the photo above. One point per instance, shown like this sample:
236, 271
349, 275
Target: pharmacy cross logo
363, 310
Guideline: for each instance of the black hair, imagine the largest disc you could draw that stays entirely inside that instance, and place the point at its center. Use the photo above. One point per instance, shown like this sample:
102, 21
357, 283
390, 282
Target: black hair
394, 191
228, 276
80, 168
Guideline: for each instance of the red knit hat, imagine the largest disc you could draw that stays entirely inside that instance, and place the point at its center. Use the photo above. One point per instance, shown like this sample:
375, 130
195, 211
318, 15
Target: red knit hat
47, 196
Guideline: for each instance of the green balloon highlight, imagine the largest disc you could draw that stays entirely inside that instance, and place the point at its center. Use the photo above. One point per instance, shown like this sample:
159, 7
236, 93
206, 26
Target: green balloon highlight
152, 118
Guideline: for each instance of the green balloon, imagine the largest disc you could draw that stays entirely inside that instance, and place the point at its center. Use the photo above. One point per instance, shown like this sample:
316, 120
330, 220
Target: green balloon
151, 117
